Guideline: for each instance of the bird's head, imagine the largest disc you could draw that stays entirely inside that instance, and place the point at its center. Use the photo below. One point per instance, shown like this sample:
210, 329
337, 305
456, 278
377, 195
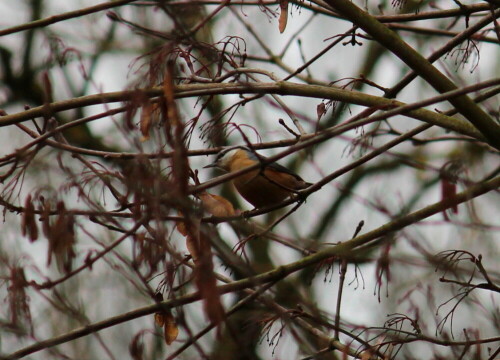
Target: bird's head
229, 154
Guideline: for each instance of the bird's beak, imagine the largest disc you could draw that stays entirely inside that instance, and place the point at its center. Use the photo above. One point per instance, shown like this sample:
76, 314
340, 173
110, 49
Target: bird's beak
210, 166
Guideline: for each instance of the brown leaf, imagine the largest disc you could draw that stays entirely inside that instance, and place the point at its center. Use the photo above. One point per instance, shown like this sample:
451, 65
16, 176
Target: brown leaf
159, 316
448, 191
149, 251
207, 283
159, 319
136, 347
320, 110
45, 217
216, 205
28, 224
171, 330
283, 15
175, 134
365, 355
169, 94
181, 225
61, 237
190, 229
448, 174
150, 115
193, 247
47, 85
199, 247
145, 122
18, 300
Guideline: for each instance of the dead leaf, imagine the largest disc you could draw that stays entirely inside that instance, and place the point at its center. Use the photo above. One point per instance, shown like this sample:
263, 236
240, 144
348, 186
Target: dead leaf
136, 347
206, 283
448, 174
193, 247
170, 328
448, 191
169, 94
283, 15
320, 110
216, 205
181, 225
150, 115
28, 223
159, 319
145, 122
61, 237
18, 300
190, 229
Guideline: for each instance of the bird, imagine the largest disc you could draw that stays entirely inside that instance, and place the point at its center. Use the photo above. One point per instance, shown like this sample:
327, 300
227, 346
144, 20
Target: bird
268, 185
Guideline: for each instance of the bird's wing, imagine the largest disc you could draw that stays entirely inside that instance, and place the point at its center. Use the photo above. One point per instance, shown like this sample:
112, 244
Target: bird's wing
280, 168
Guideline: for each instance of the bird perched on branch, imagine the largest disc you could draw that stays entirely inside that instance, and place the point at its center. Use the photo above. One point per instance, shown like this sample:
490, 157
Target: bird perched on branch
268, 185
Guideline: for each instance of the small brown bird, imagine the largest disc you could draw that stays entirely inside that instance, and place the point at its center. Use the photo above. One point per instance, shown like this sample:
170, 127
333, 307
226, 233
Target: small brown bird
260, 187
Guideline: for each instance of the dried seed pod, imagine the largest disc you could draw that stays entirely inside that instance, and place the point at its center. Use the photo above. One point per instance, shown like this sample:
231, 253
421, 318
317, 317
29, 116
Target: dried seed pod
28, 225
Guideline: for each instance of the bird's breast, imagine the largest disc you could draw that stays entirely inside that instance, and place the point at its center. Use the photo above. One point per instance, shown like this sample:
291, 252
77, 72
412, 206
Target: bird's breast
258, 190
264, 187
